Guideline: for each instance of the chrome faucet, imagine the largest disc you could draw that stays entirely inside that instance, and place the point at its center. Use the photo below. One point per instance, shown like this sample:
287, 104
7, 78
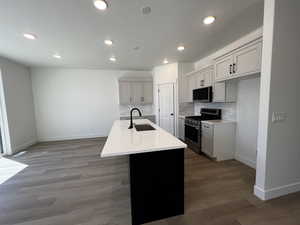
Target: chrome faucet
131, 120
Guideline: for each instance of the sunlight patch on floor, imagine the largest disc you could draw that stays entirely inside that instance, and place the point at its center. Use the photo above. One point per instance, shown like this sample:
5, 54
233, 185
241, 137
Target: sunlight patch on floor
9, 168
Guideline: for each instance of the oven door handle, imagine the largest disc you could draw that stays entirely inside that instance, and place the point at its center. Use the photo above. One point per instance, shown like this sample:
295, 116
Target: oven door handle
195, 127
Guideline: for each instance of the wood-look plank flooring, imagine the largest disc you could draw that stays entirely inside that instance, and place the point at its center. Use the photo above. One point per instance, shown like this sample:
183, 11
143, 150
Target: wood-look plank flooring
67, 183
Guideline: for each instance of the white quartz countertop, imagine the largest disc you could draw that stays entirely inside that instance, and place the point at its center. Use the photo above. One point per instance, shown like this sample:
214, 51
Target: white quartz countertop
137, 115
124, 141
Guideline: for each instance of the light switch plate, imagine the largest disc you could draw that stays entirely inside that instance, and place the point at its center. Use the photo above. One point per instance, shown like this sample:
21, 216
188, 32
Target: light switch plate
279, 117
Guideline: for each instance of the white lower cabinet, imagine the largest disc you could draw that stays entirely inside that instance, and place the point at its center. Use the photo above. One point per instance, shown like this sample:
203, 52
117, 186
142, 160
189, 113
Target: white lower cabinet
181, 133
218, 139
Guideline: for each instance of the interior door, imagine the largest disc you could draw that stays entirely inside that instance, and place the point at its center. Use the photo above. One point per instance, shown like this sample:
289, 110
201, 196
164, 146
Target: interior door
166, 107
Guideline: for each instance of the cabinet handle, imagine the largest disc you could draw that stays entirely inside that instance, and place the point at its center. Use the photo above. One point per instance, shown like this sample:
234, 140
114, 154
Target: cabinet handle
233, 68
230, 69
142, 99
130, 99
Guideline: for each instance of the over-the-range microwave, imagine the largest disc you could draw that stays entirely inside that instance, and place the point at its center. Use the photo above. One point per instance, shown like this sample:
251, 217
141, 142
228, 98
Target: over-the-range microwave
203, 94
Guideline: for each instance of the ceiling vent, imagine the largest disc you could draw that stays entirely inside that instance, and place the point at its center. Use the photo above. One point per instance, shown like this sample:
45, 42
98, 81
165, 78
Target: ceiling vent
146, 10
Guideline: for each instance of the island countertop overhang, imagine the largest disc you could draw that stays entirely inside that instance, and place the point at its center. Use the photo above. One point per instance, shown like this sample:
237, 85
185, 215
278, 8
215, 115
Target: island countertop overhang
124, 141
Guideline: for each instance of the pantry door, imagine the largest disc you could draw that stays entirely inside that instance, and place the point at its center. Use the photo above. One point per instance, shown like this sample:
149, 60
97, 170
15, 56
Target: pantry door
166, 107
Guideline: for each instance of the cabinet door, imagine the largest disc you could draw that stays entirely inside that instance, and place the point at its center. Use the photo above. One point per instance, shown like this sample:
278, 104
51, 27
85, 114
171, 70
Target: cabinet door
219, 92
207, 139
223, 67
137, 92
181, 134
199, 79
148, 93
208, 76
247, 60
125, 93
191, 87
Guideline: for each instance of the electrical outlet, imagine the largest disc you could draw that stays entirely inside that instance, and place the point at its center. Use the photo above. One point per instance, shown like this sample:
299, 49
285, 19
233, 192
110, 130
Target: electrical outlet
279, 117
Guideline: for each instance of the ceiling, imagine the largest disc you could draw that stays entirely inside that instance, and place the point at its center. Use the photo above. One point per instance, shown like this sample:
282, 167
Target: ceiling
76, 30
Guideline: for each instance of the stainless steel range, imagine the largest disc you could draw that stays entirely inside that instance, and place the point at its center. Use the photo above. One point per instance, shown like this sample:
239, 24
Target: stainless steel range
193, 127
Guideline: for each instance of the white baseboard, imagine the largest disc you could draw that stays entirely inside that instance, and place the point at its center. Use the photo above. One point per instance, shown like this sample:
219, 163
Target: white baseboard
64, 138
24, 146
246, 161
276, 192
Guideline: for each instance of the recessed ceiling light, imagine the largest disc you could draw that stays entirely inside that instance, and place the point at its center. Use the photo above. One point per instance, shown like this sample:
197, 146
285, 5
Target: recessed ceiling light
180, 48
165, 61
100, 4
209, 20
112, 59
108, 42
30, 36
57, 56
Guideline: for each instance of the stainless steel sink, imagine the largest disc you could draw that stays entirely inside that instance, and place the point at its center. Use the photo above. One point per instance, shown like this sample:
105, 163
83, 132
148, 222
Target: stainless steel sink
143, 127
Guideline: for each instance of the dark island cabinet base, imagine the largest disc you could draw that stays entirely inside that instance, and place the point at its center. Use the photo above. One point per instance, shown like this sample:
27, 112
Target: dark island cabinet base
156, 185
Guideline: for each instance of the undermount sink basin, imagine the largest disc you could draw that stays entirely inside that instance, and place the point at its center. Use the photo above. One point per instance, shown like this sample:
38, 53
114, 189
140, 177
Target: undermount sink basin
143, 127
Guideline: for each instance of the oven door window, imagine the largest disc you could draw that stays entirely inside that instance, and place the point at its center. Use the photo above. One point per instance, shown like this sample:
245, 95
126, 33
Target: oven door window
192, 133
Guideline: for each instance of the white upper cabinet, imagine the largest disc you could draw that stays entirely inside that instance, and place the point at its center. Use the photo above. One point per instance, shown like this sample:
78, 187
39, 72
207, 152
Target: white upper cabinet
198, 79
148, 92
223, 67
192, 85
241, 62
247, 60
135, 92
125, 93
208, 77
183, 82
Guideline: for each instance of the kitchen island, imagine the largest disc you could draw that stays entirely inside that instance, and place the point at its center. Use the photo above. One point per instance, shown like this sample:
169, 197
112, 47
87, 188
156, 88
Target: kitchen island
156, 169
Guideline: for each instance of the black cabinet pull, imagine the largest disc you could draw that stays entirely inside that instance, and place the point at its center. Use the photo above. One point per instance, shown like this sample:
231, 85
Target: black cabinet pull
233, 68
230, 69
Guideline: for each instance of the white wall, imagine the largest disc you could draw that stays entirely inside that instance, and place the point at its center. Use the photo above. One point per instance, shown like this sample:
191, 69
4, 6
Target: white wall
18, 98
75, 103
247, 120
278, 168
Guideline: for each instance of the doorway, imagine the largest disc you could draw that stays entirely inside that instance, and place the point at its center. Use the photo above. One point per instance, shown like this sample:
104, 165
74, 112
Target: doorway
5, 144
166, 107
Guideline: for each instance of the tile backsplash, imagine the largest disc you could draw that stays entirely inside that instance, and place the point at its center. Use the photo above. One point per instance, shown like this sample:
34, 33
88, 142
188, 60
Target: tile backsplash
186, 109
228, 109
146, 109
